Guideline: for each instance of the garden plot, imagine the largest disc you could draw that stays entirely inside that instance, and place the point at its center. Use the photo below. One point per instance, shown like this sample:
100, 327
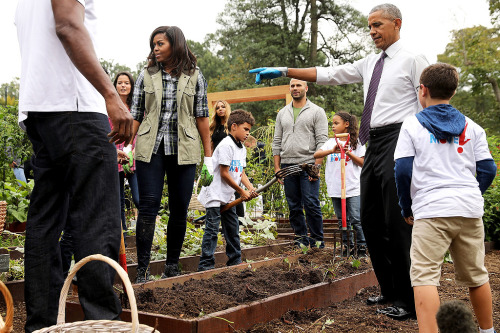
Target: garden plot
238, 297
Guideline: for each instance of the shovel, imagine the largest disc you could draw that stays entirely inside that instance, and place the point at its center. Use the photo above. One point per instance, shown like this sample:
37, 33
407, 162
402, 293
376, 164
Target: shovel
343, 196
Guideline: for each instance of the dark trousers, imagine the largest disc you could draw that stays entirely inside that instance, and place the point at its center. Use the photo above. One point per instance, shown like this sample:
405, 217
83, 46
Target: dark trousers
387, 235
180, 179
231, 232
303, 195
134, 189
76, 186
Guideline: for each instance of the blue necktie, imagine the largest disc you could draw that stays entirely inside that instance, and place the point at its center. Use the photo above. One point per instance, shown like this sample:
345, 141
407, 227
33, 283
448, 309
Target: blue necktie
370, 99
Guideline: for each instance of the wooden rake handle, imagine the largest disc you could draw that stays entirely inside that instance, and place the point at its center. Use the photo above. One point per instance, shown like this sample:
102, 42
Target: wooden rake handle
240, 200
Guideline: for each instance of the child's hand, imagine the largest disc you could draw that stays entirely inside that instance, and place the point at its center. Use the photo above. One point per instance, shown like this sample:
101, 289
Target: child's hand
245, 195
122, 156
253, 193
409, 220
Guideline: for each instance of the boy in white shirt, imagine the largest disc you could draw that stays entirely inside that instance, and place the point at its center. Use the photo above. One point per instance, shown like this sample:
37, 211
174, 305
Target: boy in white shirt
229, 161
443, 165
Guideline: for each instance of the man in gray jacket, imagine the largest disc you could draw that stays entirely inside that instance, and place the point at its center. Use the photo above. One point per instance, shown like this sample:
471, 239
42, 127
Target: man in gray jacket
301, 128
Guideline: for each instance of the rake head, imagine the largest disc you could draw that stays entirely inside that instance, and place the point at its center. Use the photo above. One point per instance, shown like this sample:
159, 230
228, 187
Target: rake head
311, 169
291, 170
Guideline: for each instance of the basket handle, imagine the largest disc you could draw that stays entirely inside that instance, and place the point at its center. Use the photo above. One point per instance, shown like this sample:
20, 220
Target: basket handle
121, 272
9, 317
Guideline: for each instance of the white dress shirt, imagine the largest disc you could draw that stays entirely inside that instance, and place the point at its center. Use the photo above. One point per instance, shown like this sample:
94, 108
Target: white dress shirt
397, 95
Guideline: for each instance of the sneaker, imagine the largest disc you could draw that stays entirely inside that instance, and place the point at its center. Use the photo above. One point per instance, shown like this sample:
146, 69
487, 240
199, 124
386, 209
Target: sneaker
171, 270
143, 275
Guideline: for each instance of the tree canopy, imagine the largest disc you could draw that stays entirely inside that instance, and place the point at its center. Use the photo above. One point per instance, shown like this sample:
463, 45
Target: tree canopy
476, 52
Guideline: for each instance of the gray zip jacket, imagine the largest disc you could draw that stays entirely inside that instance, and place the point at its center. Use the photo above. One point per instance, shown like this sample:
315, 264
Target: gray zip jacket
296, 142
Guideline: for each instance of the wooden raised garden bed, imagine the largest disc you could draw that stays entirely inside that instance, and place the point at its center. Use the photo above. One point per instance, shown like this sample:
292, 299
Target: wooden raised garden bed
188, 264
242, 316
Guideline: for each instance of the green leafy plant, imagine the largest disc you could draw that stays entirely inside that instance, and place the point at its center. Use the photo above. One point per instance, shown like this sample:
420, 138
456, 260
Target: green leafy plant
17, 198
11, 239
491, 217
262, 230
356, 263
16, 271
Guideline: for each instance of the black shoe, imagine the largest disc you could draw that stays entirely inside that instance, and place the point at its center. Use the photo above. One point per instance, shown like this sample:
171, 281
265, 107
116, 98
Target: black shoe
171, 270
398, 313
381, 299
142, 276
362, 251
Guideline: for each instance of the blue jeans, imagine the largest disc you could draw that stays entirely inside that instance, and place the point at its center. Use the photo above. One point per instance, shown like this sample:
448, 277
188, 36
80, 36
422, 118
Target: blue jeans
150, 177
352, 218
76, 188
134, 189
303, 195
231, 232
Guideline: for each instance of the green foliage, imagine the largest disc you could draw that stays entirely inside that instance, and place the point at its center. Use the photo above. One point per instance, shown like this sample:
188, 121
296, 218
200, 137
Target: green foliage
16, 271
262, 230
14, 143
258, 33
356, 263
11, 239
476, 52
17, 197
491, 217
9, 93
113, 68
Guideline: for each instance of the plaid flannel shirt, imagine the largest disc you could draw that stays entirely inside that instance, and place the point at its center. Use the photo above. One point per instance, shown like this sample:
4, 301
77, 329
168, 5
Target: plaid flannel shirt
167, 129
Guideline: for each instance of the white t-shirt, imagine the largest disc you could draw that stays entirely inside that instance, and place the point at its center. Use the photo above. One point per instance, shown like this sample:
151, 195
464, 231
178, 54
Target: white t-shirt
332, 171
49, 80
219, 192
443, 182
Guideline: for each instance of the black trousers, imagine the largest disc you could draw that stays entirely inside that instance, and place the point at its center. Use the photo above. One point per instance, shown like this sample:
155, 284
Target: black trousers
76, 189
388, 237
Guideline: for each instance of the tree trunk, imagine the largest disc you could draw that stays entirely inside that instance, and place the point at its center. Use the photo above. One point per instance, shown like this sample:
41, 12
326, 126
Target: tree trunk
314, 32
496, 90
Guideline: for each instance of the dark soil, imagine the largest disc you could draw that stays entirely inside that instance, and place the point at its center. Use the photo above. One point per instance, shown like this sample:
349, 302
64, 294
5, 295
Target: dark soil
352, 315
230, 288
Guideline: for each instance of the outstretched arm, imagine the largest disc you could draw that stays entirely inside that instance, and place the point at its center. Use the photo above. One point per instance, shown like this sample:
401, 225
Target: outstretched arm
69, 18
304, 74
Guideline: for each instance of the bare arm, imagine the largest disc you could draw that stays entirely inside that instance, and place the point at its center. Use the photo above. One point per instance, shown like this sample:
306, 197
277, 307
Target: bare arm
69, 18
356, 159
322, 153
226, 177
245, 181
304, 74
203, 129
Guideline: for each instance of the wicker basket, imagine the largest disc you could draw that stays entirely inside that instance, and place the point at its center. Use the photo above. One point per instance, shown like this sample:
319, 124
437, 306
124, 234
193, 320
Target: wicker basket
194, 204
6, 327
98, 325
3, 214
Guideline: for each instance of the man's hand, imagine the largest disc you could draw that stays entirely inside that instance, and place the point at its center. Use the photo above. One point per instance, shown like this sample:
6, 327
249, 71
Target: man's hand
268, 73
121, 119
409, 220
280, 180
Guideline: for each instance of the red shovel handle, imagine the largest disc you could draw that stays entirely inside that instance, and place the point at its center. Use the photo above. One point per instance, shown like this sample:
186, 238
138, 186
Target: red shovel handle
342, 175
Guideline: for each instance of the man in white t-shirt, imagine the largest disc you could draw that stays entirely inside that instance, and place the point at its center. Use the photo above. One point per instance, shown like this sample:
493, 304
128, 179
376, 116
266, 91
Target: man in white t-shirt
62, 108
443, 165
229, 161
